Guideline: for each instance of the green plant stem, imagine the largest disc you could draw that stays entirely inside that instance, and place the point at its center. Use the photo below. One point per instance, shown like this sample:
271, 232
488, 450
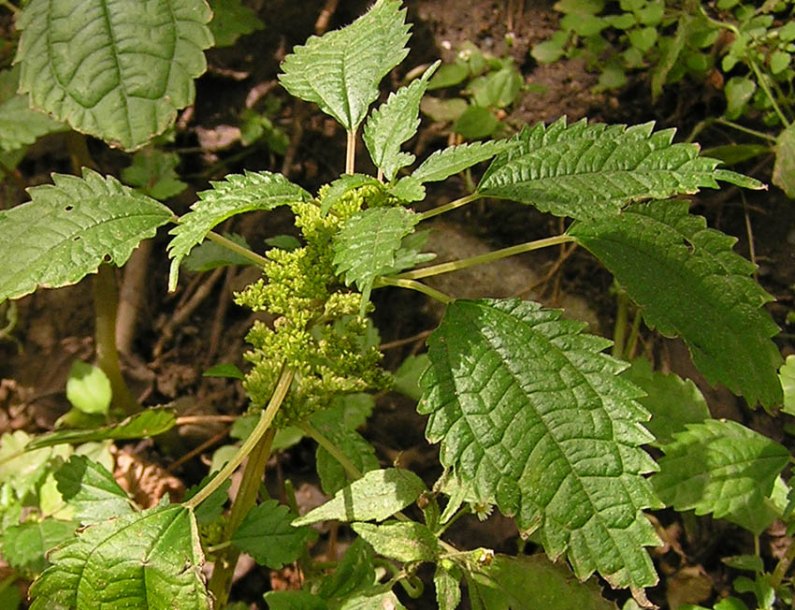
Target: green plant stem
227, 243
620, 329
221, 581
483, 259
437, 295
447, 207
634, 334
105, 305
321, 439
282, 386
782, 567
760, 78
350, 153
9, 6
746, 130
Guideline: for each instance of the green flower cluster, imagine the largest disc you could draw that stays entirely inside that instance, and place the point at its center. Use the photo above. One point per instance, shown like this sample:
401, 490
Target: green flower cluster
318, 332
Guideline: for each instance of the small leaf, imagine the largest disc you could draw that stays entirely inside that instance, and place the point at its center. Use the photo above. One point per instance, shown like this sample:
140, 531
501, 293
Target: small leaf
449, 161
147, 423
786, 375
88, 388
19, 124
408, 375
294, 600
449, 75
231, 20
91, 490
25, 546
784, 167
149, 560
443, 111
366, 245
701, 289
592, 171
266, 535
672, 401
394, 123
722, 468
739, 90
448, 588
235, 195
376, 601
476, 123
68, 229
340, 71
230, 371
356, 572
534, 582
406, 542
498, 89
153, 172
116, 72
22, 467
338, 189
210, 255
378, 495
536, 420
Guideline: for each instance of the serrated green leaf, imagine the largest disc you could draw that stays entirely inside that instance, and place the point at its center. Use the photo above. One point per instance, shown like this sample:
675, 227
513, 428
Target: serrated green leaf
406, 541
110, 69
148, 561
91, 490
449, 161
20, 466
25, 546
689, 282
393, 123
498, 89
294, 600
739, 90
153, 172
236, 194
340, 71
378, 495
672, 401
447, 587
784, 167
534, 582
69, 228
408, 189
591, 171
88, 388
19, 124
231, 20
147, 423
722, 468
342, 186
366, 246
786, 375
354, 573
209, 255
538, 422
118, 72
267, 535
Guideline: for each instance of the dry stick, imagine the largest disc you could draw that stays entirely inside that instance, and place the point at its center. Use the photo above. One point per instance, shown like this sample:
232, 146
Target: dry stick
131, 295
406, 341
198, 450
220, 315
321, 25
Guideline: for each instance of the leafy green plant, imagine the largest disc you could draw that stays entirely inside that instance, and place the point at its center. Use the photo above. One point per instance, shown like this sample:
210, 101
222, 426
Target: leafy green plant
742, 48
532, 417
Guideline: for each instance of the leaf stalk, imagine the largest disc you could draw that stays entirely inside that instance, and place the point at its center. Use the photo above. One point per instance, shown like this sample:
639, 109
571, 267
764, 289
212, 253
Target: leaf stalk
448, 207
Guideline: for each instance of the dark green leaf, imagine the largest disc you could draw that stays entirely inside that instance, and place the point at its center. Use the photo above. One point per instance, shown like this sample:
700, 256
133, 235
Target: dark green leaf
68, 229
294, 600
406, 541
476, 123
153, 172
538, 422
231, 20
689, 282
268, 536
227, 370
354, 573
19, 124
210, 255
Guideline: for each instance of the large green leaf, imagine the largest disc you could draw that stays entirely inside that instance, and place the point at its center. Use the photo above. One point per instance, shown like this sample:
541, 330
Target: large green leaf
723, 468
689, 282
366, 246
91, 490
146, 561
535, 582
592, 171
394, 123
115, 70
268, 536
19, 124
340, 71
236, 194
68, 229
379, 494
536, 419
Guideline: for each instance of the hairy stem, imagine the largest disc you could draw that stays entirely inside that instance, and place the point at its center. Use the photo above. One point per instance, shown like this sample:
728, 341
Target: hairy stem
438, 295
350, 152
105, 306
227, 243
746, 130
483, 259
447, 207
221, 581
285, 379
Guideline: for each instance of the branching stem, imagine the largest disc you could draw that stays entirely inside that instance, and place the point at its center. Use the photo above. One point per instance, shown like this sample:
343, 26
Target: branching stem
447, 207
483, 259
438, 295
227, 243
248, 445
